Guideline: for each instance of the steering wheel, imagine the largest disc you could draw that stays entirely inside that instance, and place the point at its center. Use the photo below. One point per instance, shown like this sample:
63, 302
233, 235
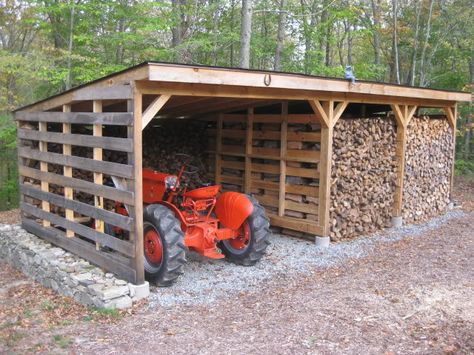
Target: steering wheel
186, 160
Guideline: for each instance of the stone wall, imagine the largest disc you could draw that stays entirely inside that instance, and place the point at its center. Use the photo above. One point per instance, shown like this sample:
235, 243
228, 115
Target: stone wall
64, 272
363, 176
429, 158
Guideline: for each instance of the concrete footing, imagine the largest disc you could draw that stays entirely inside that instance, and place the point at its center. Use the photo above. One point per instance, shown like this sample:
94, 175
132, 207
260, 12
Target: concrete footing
138, 292
322, 242
397, 222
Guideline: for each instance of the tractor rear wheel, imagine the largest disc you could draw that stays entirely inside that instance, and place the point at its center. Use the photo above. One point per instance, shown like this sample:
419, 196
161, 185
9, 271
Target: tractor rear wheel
248, 248
163, 242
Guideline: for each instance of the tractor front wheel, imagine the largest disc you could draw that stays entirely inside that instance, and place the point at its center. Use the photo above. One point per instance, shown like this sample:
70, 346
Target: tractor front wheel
163, 242
249, 247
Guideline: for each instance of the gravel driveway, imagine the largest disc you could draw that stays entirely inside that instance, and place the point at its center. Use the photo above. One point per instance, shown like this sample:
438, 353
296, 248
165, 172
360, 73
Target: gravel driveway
403, 291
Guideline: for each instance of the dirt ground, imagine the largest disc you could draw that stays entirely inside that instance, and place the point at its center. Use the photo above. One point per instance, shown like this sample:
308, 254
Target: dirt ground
410, 296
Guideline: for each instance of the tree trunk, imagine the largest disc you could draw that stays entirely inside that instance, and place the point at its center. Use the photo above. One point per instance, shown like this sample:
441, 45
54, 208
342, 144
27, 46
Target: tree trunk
412, 73
467, 137
395, 59
349, 44
232, 9
176, 30
425, 46
245, 33
70, 45
327, 39
375, 32
280, 35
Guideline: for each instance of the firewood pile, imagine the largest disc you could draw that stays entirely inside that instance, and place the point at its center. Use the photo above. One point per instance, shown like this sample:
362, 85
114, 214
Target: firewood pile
165, 141
428, 162
363, 176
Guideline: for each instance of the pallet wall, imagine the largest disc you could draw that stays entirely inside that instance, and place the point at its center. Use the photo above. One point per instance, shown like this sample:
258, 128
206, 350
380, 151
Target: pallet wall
275, 157
66, 182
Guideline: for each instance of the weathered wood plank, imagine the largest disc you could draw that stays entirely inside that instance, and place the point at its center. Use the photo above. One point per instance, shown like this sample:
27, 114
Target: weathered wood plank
113, 169
297, 224
234, 180
82, 208
308, 156
304, 136
302, 207
119, 266
119, 144
112, 242
104, 118
81, 185
118, 92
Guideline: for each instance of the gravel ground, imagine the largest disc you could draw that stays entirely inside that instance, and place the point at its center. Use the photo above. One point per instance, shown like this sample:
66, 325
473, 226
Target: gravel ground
408, 291
205, 281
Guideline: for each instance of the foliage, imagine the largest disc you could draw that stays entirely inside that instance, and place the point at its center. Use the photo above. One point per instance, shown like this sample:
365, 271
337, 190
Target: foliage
8, 166
464, 167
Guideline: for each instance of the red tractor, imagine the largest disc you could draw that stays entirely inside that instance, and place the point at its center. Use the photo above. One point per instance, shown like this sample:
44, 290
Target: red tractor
217, 225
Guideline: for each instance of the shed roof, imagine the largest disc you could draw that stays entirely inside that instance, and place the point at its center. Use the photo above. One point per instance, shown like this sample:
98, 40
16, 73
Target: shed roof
198, 80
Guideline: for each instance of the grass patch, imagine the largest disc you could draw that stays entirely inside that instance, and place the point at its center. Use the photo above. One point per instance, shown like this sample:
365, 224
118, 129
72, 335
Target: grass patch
48, 305
107, 312
62, 341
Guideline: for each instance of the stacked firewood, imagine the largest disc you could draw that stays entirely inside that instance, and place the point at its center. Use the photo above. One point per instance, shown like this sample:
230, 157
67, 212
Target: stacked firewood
429, 158
166, 141
363, 176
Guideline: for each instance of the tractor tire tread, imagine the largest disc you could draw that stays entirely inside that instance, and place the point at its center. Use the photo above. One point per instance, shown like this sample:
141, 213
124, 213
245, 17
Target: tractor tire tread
173, 239
260, 227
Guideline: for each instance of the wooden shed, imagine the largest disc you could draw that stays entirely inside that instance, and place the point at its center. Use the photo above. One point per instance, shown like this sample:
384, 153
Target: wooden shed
67, 134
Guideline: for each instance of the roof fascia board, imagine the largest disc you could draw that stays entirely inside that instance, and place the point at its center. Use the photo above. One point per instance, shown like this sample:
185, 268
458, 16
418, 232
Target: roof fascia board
214, 76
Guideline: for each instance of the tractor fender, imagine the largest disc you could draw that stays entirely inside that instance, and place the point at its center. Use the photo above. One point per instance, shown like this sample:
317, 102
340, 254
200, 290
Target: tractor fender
233, 208
176, 212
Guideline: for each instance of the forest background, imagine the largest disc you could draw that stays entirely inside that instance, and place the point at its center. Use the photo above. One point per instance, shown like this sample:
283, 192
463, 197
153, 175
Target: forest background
52, 45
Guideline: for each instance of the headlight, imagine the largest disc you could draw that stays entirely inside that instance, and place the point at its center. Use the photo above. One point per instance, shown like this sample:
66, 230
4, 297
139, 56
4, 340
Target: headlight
171, 182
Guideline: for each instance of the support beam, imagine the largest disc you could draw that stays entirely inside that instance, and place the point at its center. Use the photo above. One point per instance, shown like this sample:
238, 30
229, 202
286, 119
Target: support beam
403, 115
138, 182
283, 153
248, 152
98, 177
153, 109
330, 116
218, 166
43, 147
68, 191
452, 115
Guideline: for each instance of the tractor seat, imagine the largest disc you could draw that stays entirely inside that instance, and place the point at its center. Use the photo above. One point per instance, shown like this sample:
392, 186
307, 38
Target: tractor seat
203, 193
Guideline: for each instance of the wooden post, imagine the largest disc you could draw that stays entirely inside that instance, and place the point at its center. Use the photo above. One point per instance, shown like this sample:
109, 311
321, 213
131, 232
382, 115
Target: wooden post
98, 177
283, 151
218, 169
68, 191
452, 115
403, 115
43, 147
248, 152
138, 187
329, 116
